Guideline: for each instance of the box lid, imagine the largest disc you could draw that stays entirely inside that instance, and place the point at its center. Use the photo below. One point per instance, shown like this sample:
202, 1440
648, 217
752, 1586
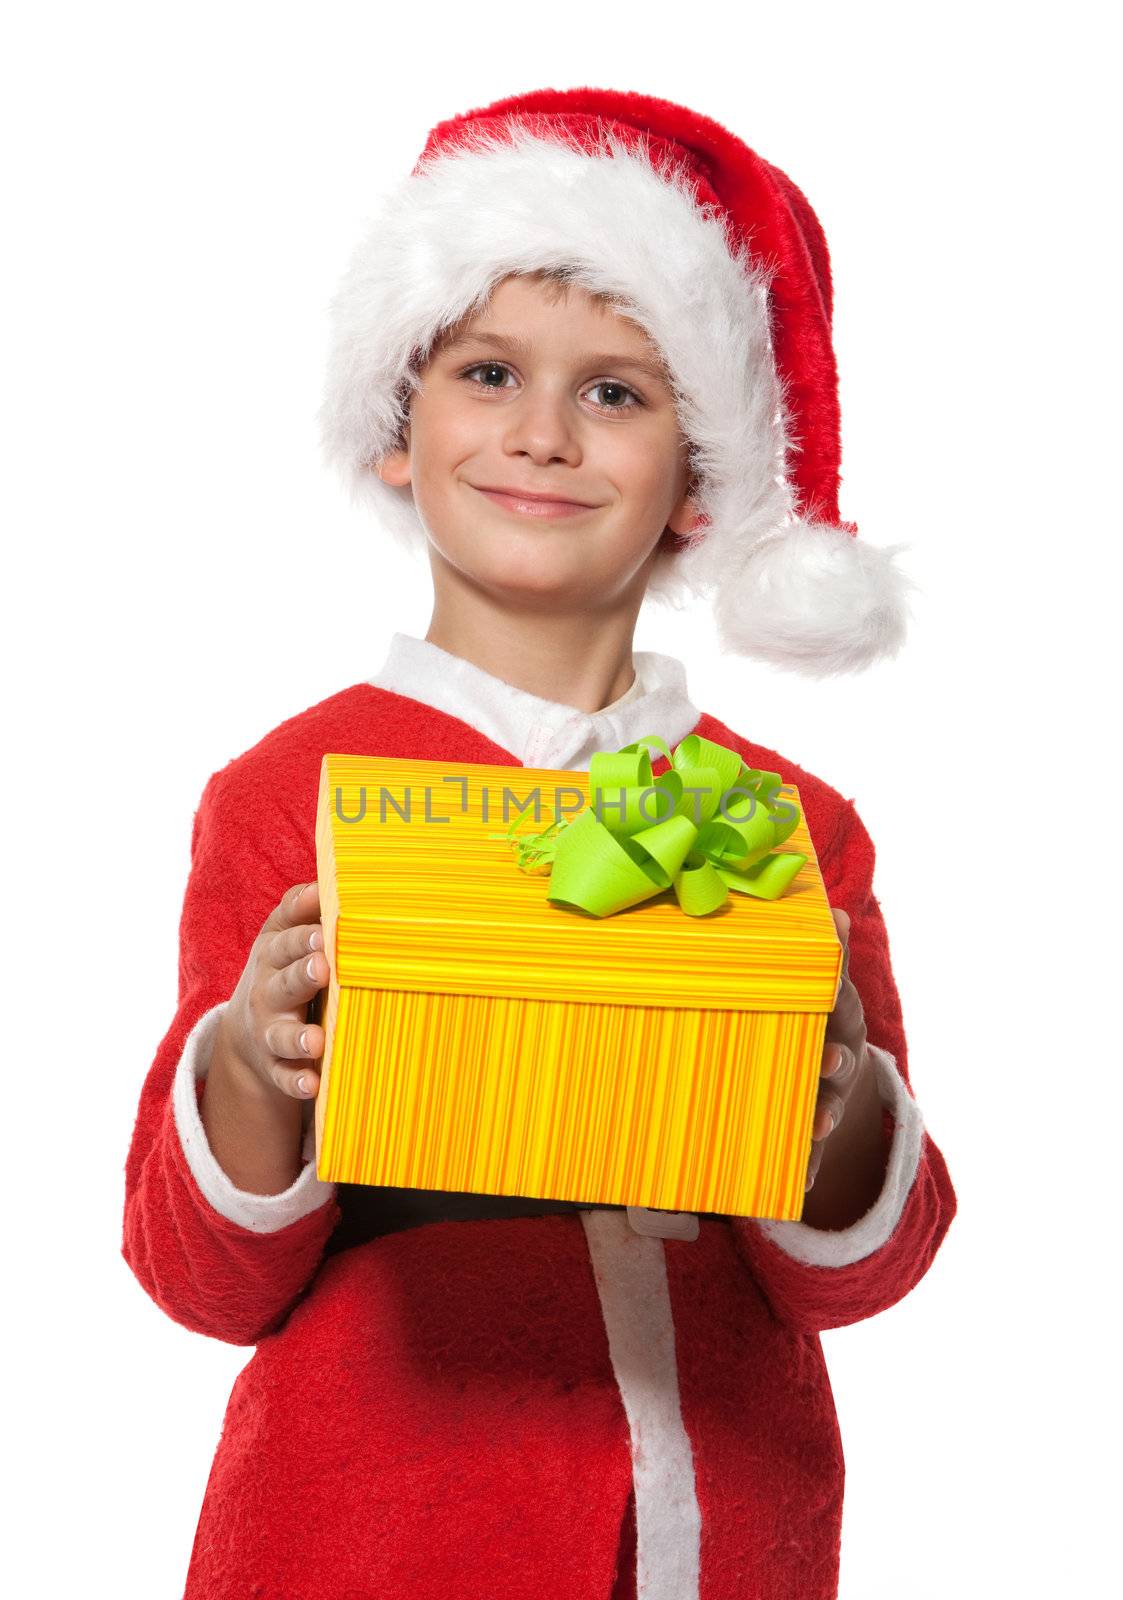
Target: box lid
416, 894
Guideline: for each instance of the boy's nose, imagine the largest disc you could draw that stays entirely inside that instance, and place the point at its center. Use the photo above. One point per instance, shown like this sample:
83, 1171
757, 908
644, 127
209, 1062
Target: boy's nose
543, 428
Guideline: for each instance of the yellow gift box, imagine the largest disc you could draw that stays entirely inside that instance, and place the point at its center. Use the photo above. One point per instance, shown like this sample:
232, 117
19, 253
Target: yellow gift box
481, 1039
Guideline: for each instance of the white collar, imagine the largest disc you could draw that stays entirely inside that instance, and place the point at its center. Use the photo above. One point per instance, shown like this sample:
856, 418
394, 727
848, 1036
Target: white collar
542, 733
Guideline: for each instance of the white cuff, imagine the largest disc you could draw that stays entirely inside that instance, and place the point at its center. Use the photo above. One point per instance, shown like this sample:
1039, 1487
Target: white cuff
262, 1213
821, 1247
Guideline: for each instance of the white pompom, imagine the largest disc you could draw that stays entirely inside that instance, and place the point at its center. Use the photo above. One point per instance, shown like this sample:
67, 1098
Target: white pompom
816, 600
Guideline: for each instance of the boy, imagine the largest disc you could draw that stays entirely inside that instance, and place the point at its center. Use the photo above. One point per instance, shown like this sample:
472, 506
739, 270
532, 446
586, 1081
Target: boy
459, 1394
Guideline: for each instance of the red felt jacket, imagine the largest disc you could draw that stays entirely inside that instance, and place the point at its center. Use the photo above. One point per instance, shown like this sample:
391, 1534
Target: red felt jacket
458, 1409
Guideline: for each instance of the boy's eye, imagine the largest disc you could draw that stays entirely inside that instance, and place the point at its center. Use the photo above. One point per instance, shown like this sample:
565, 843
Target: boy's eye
616, 394
610, 386
491, 368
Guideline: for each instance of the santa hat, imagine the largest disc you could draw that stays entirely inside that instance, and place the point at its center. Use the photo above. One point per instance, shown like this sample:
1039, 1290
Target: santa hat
720, 259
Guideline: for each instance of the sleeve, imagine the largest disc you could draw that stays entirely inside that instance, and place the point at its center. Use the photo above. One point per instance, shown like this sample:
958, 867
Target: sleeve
816, 1278
214, 1258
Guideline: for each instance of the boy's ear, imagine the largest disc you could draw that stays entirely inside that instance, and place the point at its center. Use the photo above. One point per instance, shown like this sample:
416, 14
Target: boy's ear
395, 467
684, 516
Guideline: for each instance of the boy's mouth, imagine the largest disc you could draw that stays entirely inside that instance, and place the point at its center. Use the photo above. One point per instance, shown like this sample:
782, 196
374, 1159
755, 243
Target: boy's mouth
533, 505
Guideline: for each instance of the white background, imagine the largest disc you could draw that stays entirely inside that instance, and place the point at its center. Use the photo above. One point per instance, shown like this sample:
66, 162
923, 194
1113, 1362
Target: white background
183, 187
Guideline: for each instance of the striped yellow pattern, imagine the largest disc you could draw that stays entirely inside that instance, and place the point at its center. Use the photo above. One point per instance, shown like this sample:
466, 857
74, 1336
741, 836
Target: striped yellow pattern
481, 1039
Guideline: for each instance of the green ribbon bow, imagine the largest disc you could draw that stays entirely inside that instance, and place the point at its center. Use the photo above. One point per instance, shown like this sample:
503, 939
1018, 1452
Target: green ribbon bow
603, 863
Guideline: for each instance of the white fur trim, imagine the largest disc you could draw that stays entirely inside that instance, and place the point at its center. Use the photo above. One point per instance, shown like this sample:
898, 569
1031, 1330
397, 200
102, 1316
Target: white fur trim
631, 1277
261, 1213
623, 223
821, 1247
815, 600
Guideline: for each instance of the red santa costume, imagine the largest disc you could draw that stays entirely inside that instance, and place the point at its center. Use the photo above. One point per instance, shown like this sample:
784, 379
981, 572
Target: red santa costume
457, 1395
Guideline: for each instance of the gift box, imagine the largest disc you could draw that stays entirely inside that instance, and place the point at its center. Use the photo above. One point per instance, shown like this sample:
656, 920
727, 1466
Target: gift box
648, 1037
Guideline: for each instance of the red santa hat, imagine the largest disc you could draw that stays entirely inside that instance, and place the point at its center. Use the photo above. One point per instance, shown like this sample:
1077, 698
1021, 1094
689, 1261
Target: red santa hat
720, 259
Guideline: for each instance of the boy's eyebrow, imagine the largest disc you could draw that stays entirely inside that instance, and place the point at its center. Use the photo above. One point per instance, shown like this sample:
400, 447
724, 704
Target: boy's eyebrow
508, 342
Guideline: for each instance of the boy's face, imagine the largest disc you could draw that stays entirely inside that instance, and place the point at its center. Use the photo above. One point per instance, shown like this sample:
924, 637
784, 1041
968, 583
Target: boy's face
549, 395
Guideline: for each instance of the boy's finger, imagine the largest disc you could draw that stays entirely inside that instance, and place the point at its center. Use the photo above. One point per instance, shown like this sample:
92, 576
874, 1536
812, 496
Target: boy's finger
847, 1016
842, 1075
829, 1111
293, 1040
299, 904
294, 944
296, 984
302, 1083
842, 928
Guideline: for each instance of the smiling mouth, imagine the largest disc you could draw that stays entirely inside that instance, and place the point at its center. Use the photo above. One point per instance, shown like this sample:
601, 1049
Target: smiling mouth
528, 506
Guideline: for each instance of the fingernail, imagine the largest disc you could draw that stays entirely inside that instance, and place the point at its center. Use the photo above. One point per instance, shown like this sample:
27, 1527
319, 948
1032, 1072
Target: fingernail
310, 967
315, 940
304, 1040
302, 1084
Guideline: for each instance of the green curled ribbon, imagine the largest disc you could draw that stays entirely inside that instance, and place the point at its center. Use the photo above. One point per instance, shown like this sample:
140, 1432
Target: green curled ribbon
613, 855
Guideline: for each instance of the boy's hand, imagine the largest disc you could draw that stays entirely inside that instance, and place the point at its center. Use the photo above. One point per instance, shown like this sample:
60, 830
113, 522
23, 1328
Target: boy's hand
264, 1027
844, 1054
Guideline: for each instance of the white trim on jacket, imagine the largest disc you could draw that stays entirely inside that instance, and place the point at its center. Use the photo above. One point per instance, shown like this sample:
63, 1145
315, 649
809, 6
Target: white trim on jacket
261, 1213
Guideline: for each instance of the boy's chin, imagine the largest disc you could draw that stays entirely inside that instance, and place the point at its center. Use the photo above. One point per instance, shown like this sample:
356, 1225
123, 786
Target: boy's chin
558, 588
548, 586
